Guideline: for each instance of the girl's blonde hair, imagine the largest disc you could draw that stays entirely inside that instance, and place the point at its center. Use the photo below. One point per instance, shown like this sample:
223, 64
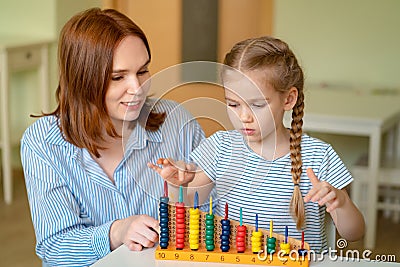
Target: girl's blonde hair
283, 73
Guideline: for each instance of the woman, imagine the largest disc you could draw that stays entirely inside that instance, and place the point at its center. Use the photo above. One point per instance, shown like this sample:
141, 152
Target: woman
88, 185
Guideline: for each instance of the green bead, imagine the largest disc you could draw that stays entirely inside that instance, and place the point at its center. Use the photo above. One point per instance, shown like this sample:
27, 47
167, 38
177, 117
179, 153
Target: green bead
209, 216
210, 227
269, 251
210, 247
271, 243
210, 242
210, 232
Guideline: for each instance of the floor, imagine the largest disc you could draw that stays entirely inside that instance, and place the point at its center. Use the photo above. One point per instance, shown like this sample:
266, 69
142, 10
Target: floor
17, 239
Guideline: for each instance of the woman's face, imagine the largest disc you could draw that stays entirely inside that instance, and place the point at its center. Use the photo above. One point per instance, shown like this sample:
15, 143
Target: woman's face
127, 91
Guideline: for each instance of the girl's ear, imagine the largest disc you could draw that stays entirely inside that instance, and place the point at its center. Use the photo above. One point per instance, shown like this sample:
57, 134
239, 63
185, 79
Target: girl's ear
291, 98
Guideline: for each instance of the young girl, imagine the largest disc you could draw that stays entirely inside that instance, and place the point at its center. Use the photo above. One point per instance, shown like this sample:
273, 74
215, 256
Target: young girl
263, 167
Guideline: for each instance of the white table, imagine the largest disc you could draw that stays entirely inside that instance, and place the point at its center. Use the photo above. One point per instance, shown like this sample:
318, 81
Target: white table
334, 111
122, 257
19, 53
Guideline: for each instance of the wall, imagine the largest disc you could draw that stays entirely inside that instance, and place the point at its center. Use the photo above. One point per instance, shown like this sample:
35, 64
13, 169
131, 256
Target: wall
347, 44
39, 18
340, 42
240, 19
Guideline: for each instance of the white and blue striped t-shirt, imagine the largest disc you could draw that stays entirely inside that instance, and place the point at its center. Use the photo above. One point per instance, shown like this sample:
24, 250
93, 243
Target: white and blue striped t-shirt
246, 180
73, 203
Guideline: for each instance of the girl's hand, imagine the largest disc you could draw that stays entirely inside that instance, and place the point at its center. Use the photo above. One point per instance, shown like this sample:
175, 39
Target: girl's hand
135, 232
177, 173
324, 193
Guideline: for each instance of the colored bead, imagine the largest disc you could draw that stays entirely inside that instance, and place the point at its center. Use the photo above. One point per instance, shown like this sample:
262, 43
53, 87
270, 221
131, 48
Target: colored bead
256, 241
225, 235
164, 225
285, 247
180, 225
241, 238
180, 231
225, 248
164, 218
302, 252
164, 234
209, 240
194, 226
271, 245
225, 242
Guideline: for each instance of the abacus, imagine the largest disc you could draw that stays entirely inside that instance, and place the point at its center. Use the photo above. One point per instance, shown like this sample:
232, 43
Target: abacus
188, 234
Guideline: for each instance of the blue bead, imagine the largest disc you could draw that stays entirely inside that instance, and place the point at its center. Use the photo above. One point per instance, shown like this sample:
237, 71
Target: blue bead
225, 222
164, 234
224, 237
302, 252
164, 219
225, 248
164, 214
225, 232
164, 240
163, 224
226, 227
225, 242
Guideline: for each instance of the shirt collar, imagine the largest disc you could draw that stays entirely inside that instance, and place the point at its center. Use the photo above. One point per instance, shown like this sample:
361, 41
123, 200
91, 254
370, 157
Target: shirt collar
139, 137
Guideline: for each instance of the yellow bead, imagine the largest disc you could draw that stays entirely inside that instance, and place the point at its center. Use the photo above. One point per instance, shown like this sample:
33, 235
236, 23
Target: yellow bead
257, 244
194, 221
194, 227
193, 211
285, 247
194, 241
194, 246
258, 233
194, 232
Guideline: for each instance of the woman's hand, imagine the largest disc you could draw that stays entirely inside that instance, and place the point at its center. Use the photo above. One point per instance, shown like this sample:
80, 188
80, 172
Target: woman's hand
324, 193
177, 173
135, 232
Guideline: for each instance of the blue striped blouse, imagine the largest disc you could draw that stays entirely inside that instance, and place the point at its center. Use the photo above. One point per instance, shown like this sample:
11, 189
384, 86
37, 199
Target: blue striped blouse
246, 180
73, 203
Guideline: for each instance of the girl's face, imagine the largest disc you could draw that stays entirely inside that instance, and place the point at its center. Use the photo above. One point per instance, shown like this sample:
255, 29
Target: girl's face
127, 91
255, 108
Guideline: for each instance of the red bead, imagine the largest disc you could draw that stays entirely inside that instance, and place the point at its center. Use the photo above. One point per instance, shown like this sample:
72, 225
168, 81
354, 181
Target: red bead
180, 215
180, 221
241, 228
241, 234
180, 240
240, 239
180, 245
180, 225
240, 244
180, 236
180, 230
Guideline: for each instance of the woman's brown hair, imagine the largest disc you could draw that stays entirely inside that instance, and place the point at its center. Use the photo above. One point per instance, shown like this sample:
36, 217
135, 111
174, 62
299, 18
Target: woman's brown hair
85, 58
275, 56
